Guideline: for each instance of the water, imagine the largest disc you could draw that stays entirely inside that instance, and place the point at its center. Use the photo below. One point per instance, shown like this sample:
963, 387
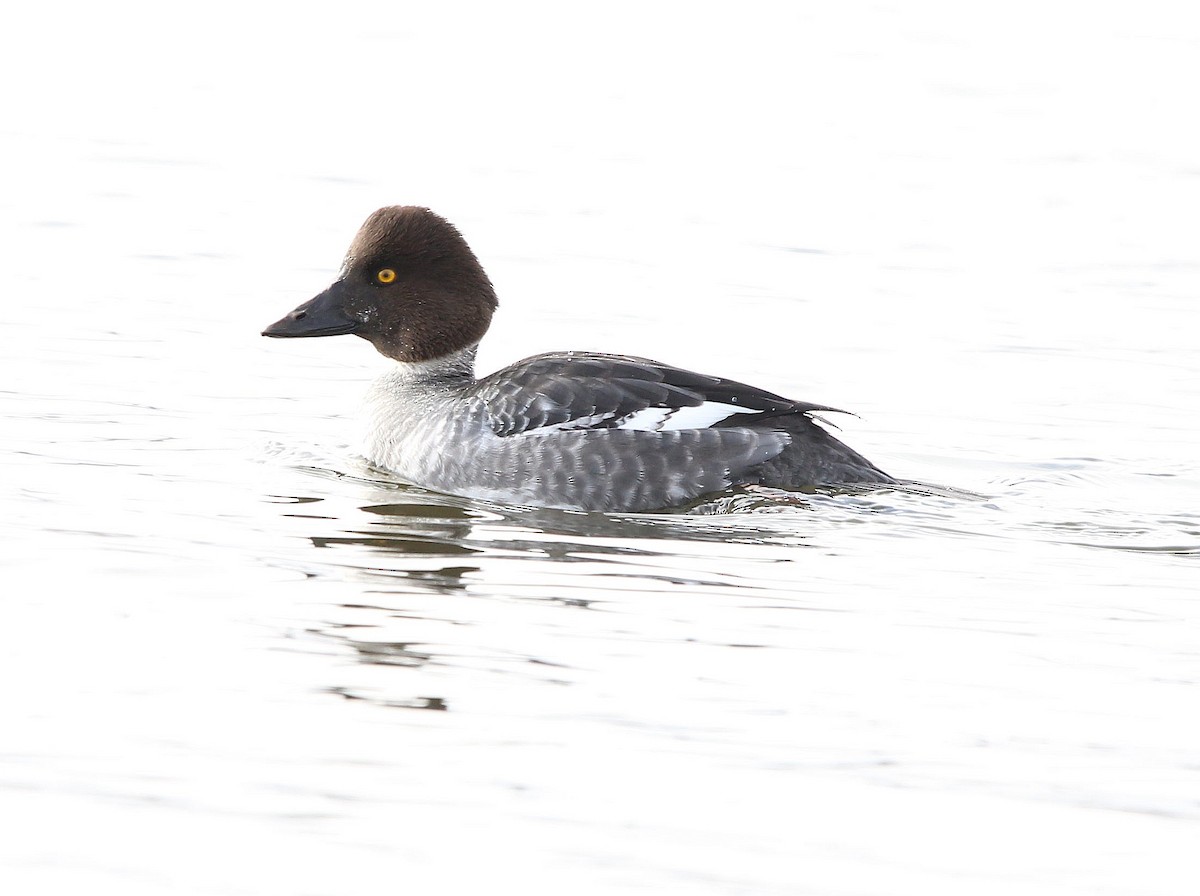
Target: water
237, 661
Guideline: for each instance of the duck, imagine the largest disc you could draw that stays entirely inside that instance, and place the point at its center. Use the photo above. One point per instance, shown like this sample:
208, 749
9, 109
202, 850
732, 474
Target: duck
574, 430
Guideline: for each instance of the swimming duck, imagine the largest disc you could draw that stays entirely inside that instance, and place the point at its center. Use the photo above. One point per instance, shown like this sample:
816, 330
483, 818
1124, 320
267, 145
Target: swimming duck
570, 430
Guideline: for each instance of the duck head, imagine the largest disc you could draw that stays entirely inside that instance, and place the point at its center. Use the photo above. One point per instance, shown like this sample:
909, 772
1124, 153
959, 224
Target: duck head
410, 285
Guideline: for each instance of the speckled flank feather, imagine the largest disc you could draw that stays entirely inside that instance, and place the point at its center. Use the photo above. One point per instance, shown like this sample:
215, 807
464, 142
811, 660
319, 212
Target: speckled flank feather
507, 437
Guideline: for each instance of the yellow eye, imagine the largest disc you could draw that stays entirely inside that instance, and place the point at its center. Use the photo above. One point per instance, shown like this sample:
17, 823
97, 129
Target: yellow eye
385, 275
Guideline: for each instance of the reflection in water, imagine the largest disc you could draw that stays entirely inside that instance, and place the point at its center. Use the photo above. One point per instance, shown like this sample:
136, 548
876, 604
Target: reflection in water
748, 551
429, 525
423, 547
391, 654
739, 632
434, 703
424, 511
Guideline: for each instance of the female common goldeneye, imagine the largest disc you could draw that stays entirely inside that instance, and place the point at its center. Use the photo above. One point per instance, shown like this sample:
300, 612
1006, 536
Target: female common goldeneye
572, 430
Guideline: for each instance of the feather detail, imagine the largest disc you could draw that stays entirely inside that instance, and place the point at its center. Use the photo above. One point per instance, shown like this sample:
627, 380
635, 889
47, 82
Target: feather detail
577, 390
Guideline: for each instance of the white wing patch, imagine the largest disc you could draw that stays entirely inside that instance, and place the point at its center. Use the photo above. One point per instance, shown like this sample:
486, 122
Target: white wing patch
701, 416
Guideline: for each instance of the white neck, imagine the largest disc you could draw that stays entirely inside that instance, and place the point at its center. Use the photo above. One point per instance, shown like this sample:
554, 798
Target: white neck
448, 369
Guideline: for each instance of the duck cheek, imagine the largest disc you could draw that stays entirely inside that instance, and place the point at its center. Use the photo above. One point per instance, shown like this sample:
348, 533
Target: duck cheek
389, 338
365, 314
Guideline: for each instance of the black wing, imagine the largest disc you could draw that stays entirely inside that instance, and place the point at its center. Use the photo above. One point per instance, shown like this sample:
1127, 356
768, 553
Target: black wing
584, 390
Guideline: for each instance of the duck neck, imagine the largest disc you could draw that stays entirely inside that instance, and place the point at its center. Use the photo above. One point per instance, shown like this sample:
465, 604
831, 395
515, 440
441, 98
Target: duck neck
454, 370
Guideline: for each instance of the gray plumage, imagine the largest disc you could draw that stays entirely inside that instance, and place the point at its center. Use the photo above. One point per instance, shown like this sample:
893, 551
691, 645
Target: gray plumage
573, 430
547, 431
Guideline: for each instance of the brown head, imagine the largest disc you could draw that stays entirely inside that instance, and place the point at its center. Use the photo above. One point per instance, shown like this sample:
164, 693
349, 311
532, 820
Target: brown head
410, 285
